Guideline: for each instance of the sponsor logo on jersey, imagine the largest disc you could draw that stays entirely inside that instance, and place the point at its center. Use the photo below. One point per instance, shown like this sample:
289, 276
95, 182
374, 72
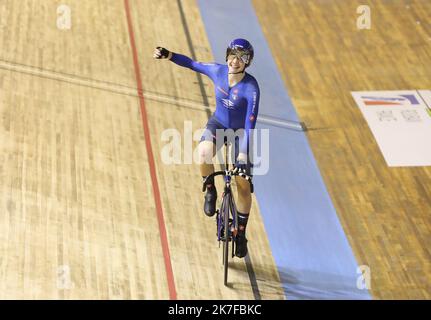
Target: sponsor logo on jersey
227, 103
235, 94
254, 101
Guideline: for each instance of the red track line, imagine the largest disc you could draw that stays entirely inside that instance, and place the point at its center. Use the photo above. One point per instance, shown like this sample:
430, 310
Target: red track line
156, 191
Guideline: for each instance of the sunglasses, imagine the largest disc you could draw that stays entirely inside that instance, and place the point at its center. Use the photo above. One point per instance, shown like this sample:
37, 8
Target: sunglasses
242, 55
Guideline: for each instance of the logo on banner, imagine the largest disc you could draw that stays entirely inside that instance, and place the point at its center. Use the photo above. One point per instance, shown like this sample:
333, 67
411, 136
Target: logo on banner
396, 100
400, 124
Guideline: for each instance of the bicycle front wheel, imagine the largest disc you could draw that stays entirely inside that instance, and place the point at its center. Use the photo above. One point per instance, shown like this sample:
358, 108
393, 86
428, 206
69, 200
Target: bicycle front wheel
227, 233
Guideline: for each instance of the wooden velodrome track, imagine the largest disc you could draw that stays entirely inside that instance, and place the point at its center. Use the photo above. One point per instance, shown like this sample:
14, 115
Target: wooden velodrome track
88, 209
385, 212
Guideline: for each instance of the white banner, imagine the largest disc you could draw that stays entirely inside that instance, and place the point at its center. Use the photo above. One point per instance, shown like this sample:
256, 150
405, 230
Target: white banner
401, 124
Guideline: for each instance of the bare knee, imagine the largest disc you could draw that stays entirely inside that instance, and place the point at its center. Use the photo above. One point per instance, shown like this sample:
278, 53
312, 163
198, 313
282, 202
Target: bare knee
206, 152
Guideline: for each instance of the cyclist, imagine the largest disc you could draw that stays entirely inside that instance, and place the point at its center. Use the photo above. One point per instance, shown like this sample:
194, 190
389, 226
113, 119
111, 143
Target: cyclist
237, 104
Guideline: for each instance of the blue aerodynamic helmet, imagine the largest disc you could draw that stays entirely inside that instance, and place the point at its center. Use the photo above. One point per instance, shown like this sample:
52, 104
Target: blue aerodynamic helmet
243, 47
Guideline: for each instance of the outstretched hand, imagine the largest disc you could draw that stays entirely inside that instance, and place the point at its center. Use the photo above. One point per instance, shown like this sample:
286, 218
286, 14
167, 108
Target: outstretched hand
162, 53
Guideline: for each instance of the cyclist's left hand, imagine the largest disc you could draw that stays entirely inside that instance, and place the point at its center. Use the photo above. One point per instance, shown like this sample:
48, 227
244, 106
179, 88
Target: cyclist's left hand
241, 163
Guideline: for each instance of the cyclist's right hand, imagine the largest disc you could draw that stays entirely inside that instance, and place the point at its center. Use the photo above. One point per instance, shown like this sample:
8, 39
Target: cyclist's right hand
162, 53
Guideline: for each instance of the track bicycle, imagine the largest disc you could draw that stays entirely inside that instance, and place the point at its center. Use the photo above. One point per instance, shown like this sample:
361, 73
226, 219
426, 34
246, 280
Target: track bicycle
226, 216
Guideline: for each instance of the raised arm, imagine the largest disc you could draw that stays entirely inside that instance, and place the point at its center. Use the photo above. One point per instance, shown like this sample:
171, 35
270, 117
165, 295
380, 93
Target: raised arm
208, 69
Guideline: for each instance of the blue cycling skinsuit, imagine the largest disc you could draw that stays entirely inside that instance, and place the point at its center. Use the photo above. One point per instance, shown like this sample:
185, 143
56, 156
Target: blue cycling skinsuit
236, 107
